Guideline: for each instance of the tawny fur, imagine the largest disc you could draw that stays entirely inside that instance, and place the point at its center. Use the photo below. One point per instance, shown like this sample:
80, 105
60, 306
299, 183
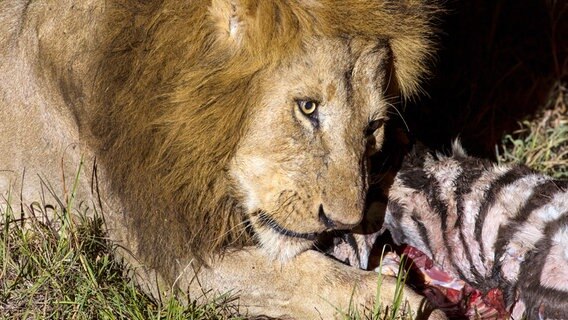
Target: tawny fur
167, 148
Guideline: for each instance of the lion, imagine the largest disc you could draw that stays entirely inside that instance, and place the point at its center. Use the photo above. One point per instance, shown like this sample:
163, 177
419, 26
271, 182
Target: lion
220, 138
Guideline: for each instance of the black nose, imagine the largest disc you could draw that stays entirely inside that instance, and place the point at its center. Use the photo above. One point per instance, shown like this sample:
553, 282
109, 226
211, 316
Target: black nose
331, 224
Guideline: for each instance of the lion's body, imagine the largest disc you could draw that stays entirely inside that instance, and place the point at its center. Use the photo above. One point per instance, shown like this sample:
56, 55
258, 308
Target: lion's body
40, 98
188, 109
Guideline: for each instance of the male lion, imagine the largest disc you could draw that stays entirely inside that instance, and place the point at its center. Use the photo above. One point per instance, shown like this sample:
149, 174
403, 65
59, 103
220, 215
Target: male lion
226, 134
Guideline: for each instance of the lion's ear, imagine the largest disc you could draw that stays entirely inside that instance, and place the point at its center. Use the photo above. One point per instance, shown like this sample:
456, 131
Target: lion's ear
229, 19
267, 28
226, 20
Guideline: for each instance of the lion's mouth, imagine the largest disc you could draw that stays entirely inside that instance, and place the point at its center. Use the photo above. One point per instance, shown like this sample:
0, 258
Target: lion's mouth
268, 222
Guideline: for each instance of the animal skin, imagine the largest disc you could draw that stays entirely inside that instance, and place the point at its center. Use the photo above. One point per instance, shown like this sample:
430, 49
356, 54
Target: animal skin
219, 138
488, 241
500, 228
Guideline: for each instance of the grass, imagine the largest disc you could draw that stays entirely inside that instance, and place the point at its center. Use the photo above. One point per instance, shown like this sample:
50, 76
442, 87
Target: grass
64, 268
398, 309
542, 143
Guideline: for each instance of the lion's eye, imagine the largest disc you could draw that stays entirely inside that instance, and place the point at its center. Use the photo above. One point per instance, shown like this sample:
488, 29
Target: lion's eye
374, 126
307, 107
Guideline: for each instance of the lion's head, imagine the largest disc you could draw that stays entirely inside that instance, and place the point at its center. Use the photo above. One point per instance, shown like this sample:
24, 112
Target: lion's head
252, 113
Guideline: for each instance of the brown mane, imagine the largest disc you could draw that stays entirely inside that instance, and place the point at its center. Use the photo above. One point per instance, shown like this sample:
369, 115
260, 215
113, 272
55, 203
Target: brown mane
177, 91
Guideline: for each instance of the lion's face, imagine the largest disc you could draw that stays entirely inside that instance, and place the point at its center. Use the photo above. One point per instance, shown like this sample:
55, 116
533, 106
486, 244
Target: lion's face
302, 166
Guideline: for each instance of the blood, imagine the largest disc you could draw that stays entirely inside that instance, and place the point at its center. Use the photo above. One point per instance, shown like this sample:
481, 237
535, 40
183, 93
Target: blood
458, 299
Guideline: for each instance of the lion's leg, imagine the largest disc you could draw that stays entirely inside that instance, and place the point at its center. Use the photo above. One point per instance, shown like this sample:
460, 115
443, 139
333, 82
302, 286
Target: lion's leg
310, 286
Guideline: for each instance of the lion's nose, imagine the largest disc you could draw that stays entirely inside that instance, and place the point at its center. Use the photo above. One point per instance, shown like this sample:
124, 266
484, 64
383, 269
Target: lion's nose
335, 223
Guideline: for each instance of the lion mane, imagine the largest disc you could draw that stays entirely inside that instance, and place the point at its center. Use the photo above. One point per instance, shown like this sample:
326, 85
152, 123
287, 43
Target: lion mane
177, 89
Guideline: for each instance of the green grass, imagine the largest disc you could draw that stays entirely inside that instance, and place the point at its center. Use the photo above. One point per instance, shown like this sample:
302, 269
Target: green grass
397, 309
64, 268
542, 142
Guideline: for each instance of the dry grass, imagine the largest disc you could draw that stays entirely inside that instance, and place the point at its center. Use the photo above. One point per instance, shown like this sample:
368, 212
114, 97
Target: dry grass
542, 143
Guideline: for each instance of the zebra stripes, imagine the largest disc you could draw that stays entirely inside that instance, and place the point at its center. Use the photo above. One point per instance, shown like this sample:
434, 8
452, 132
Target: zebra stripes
493, 226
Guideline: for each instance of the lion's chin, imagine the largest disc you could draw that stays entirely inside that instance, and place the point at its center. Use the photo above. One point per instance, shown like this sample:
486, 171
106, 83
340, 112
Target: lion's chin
281, 247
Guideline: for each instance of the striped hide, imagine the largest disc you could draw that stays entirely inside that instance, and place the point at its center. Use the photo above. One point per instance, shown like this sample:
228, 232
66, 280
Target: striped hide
494, 226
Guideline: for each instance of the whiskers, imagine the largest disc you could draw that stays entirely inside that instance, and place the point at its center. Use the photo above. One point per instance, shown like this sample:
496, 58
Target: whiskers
392, 106
289, 205
243, 226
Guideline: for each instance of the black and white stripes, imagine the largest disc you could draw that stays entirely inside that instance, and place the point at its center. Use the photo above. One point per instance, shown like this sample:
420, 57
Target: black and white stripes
493, 226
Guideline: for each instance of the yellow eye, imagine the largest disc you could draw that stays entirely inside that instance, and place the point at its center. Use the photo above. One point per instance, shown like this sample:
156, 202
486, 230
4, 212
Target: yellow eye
307, 107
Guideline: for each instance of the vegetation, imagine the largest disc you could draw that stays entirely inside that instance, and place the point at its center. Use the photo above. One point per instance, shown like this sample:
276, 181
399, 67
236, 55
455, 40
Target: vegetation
64, 268
542, 143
